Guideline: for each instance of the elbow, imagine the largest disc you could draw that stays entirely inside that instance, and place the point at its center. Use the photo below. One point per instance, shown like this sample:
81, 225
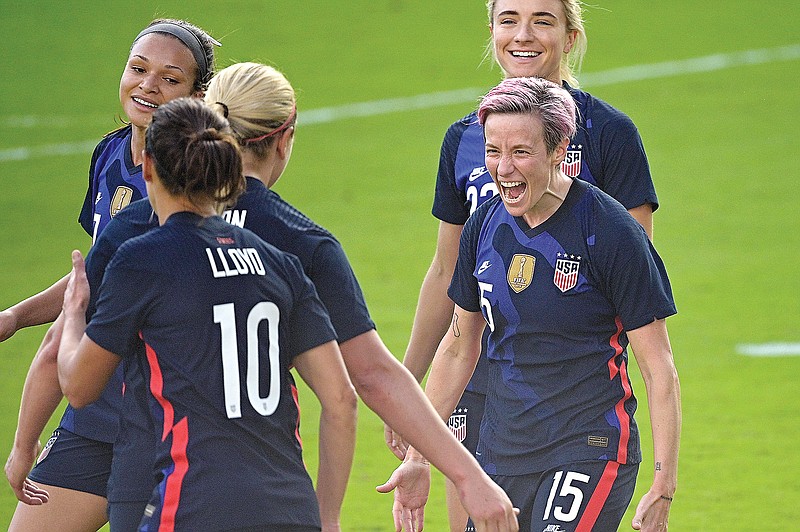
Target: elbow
78, 396
345, 413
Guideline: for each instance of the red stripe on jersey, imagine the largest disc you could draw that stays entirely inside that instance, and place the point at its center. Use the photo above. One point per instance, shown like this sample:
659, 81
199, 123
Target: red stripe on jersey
157, 389
622, 415
598, 498
172, 491
296, 398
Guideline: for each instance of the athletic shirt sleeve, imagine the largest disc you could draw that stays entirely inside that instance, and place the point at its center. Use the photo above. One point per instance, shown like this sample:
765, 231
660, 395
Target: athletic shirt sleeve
339, 291
616, 159
309, 323
464, 290
126, 294
631, 271
85, 216
449, 204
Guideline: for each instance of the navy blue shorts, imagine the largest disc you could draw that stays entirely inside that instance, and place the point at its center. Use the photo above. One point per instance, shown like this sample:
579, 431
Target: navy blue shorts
465, 421
74, 462
576, 497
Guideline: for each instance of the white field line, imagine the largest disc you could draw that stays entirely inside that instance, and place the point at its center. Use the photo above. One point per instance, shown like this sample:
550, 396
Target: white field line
324, 115
774, 349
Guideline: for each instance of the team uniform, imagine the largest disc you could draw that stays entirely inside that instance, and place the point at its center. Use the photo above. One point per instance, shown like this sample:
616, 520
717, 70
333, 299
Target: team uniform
221, 315
78, 455
265, 213
557, 300
606, 151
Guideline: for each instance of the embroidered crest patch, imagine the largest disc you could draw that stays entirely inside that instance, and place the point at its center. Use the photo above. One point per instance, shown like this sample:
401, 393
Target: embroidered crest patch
520, 272
566, 274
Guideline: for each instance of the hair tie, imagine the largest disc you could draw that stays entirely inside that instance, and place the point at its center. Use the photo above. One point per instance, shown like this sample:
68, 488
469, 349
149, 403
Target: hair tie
286, 123
224, 109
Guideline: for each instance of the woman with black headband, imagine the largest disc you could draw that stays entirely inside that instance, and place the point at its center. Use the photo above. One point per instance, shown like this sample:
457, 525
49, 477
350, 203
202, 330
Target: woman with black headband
168, 59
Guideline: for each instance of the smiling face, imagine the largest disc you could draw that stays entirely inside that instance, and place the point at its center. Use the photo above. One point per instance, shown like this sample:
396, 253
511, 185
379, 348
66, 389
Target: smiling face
517, 159
159, 69
530, 38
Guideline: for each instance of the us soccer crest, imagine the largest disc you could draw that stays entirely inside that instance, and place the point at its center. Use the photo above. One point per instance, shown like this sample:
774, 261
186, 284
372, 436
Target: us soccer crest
571, 165
457, 423
566, 274
520, 272
122, 198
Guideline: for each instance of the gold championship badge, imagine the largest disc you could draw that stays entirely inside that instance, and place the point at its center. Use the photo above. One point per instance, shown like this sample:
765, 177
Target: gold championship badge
520, 272
122, 198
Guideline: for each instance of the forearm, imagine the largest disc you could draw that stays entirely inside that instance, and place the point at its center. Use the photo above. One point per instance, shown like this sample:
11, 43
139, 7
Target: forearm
41, 393
434, 310
337, 444
389, 390
41, 308
665, 419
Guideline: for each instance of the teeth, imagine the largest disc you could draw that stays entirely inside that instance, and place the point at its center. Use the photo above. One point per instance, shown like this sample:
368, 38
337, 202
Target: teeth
510, 184
148, 104
524, 54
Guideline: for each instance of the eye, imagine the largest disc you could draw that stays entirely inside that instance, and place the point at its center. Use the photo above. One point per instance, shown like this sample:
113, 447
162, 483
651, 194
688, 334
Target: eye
172, 81
506, 21
138, 69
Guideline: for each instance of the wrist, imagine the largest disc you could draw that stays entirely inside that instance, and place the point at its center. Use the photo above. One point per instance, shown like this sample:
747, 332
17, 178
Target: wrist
412, 455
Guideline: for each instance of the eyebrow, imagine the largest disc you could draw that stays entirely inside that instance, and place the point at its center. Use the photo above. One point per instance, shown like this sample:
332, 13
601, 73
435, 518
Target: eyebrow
535, 14
146, 60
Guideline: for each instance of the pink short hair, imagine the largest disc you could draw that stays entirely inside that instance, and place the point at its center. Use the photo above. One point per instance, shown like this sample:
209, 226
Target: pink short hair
536, 96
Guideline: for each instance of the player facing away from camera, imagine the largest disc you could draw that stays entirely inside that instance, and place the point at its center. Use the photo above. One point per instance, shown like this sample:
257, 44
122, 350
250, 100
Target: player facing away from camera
168, 59
222, 317
541, 38
260, 104
564, 279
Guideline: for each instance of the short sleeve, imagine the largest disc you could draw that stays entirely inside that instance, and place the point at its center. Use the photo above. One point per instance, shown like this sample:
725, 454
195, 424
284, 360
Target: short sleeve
339, 291
449, 204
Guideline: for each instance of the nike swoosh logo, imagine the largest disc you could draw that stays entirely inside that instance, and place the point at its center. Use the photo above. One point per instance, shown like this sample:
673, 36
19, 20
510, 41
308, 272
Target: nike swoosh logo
476, 173
485, 266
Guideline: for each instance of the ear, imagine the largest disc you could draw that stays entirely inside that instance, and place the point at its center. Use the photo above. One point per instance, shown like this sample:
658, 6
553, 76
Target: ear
199, 94
560, 153
148, 167
285, 142
571, 37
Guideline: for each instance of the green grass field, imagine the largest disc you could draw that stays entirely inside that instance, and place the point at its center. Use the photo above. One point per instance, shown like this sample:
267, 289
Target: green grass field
718, 132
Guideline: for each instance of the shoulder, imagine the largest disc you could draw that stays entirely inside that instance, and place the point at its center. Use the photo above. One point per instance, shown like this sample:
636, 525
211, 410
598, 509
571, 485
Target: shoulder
111, 141
485, 211
457, 128
283, 225
599, 112
609, 217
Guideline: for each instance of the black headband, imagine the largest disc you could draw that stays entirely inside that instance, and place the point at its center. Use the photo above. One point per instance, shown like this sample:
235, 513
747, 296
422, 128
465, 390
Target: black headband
188, 38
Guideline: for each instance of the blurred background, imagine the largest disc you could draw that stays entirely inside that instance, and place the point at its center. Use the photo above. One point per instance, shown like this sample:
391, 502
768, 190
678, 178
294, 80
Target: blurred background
711, 85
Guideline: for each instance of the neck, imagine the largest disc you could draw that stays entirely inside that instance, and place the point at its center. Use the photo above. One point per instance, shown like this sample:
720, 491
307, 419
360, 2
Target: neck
137, 144
165, 205
552, 198
263, 169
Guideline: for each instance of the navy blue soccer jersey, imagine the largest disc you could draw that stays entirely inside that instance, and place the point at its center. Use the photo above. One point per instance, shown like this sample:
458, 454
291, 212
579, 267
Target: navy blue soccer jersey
100, 420
221, 314
114, 182
558, 299
606, 151
265, 213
